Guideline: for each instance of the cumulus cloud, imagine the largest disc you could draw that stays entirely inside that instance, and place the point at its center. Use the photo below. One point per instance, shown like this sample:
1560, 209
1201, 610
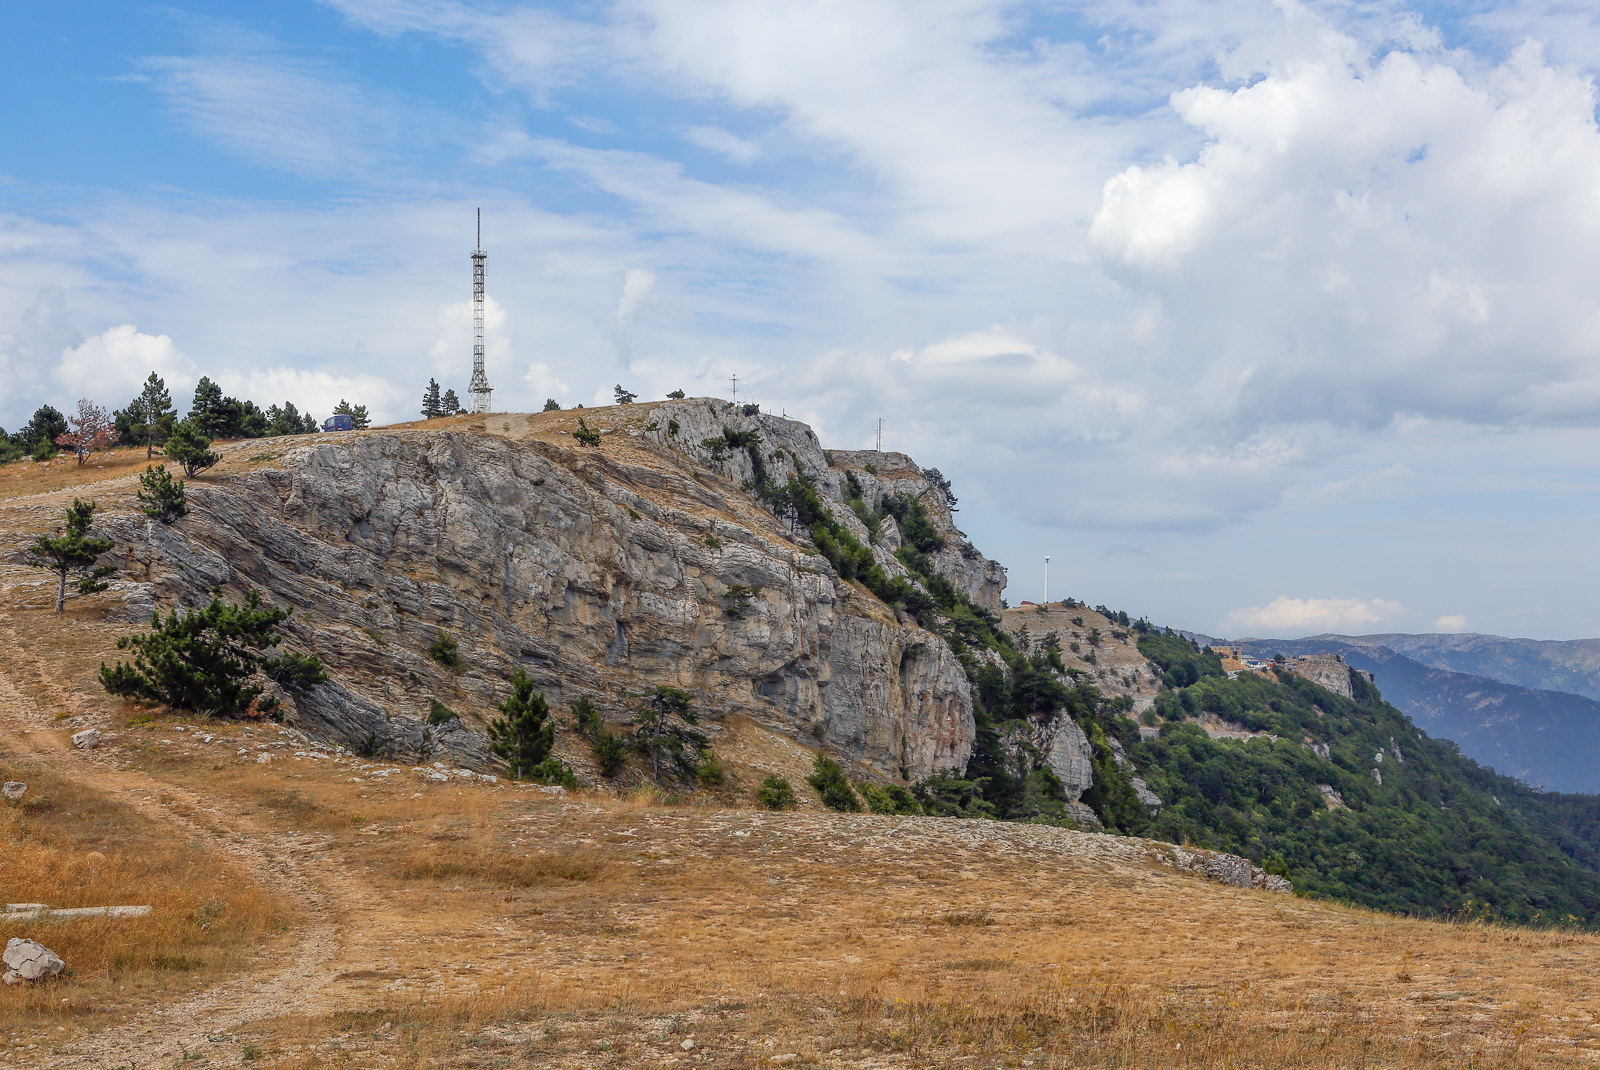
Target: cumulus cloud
111, 367
1367, 234
1450, 622
1286, 617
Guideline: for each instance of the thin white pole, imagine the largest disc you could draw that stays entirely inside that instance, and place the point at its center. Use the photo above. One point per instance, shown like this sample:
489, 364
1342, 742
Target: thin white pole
1047, 579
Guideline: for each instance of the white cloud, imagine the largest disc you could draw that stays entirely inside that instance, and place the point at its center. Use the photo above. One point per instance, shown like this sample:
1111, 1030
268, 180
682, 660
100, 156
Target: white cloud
1450, 622
1286, 617
723, 143
111, 367
638, 293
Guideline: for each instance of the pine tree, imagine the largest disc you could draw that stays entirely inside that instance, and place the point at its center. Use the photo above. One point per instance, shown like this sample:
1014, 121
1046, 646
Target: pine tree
206, 411
202, 660
160, 496
432, 406
73, 549
155, 414
624, 397
449, 405
190, 447
525, 733
40, 434
359, 420
551, 405
663, 733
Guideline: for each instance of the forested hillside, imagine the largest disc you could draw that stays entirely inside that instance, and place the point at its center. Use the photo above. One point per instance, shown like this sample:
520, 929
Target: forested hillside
1550, 739
1352, 800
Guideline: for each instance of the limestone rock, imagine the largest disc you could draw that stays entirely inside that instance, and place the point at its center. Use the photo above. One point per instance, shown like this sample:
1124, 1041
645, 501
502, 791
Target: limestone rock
1067, 752
88, 739
599, 572
1226, 869
1147, 798
1326, 670
13, 789
29, 960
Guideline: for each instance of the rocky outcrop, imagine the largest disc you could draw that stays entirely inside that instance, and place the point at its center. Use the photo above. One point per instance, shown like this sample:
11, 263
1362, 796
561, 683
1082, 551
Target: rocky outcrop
600, 572
1224, 869
1325, 670
1060, 745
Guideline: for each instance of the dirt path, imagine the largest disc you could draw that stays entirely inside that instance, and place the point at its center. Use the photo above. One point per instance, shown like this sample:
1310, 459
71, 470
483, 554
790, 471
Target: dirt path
301, 971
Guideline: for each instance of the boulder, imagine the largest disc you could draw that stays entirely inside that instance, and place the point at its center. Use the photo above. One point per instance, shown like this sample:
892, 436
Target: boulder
88, 739
13, 789
29, 960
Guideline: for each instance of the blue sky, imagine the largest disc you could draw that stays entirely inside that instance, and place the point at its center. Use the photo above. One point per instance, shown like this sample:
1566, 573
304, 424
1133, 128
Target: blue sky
1258, 318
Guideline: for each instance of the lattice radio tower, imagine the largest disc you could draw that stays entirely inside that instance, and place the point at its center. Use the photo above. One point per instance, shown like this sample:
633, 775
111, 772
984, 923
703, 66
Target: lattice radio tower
479, 388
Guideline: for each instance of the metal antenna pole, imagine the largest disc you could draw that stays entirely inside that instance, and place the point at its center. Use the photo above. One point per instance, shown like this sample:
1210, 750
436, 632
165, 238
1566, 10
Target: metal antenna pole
479, 388
1047, 579
880, 435
735, 380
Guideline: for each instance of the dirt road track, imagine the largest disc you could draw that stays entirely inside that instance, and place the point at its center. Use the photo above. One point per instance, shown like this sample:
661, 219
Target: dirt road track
297, 979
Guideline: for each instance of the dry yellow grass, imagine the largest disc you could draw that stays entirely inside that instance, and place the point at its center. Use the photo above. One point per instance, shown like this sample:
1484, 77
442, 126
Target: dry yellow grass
68, 845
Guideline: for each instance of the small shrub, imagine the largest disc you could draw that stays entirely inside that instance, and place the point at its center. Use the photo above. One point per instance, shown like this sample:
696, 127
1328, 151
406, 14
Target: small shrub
711, 774
676, 395
586, 719
888, 799
610, 753
828, 777
440, 714
366, 746
776, 793
160, 496
585, 434
447, 652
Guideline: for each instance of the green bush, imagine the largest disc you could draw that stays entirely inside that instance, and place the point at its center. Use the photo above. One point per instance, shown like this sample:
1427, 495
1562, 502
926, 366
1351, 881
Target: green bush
440, 714
711, 773
160, 496
190, 447
524, 733
828, 777
889, 799
585, 434
610, 753
446, 651
202, 660
776, 793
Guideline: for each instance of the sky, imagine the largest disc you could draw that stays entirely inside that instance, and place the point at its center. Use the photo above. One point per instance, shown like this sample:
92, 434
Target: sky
1257, 318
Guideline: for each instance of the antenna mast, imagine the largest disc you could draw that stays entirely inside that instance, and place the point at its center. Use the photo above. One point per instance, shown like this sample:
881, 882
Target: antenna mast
479, 389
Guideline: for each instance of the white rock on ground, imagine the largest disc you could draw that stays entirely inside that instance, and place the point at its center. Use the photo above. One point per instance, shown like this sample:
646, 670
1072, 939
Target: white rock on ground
29, 960
88, 739
13, 789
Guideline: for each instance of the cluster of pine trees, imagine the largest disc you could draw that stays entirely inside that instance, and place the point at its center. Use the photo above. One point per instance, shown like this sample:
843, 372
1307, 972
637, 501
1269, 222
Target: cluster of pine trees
150, 420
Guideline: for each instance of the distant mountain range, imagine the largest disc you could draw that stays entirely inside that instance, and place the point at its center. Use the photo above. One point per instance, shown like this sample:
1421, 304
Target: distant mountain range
1526, 707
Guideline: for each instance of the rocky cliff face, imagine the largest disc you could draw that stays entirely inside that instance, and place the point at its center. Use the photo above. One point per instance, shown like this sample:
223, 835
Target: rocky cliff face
599, 571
